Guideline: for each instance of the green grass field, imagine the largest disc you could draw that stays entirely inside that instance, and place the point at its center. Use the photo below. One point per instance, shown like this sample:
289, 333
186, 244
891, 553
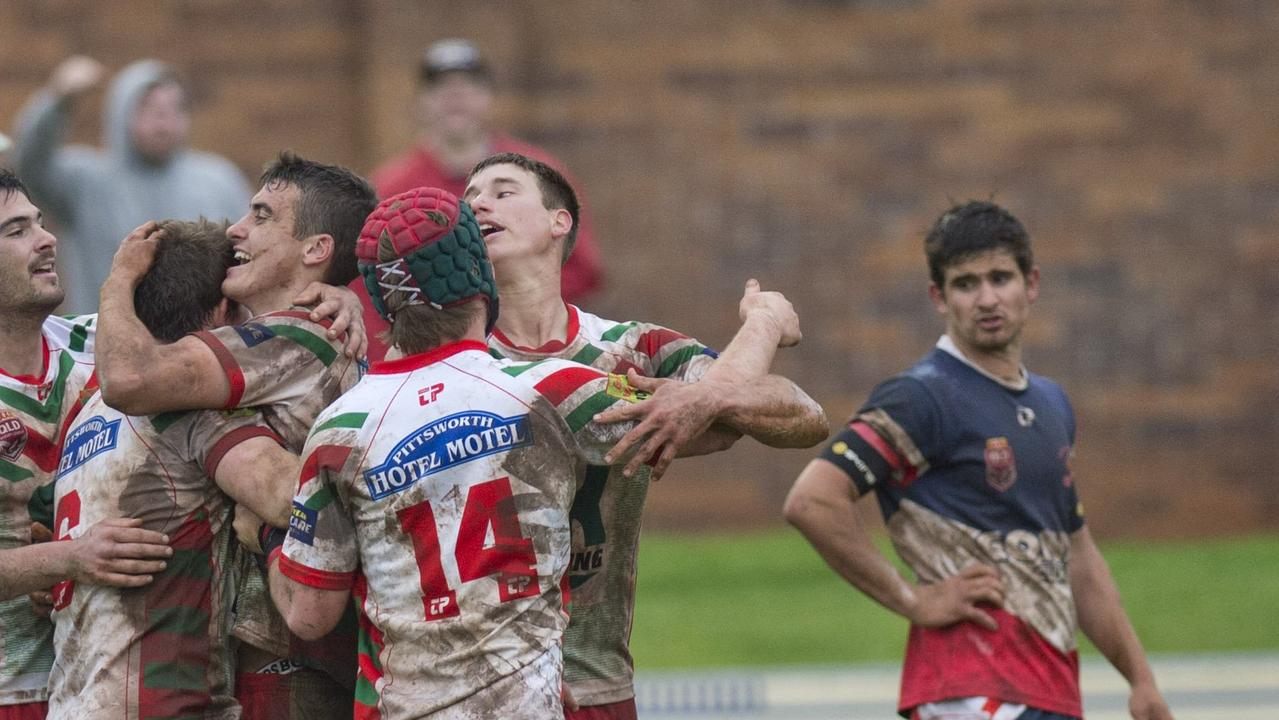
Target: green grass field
768, 599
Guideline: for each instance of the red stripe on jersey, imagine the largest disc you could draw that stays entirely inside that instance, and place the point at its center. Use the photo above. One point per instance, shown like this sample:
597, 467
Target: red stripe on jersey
332, 457
44, 366
623, 365
233, 438
654, 340
903, 472
40, 450
234, 375
560, 384
319, 579
90, 388
991, 706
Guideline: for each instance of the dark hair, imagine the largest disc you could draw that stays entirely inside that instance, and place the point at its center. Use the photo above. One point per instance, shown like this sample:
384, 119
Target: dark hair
970, 229
557, 193
184, 285
332, 200
10, 184
418, 328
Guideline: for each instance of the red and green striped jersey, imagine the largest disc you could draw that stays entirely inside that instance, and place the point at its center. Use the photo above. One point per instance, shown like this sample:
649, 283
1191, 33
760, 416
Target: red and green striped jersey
160, 651
606, 512
439, 488
283, 365
33, 410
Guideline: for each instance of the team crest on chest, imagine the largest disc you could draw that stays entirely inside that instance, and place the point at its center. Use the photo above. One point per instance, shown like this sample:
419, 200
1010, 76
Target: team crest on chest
13, 436
1001, 465
1025, 416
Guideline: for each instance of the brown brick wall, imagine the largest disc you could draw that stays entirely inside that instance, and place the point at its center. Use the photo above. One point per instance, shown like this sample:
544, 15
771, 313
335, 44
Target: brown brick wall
810, 143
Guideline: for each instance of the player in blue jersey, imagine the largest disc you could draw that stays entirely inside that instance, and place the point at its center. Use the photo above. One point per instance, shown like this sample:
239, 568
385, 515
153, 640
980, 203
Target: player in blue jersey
968, 456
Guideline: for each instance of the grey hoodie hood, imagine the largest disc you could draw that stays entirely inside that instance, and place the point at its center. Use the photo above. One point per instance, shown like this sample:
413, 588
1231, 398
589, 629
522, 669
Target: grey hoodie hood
127, 90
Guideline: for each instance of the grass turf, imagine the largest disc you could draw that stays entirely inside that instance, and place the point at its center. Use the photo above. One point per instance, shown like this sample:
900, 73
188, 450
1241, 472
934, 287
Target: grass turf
769, 599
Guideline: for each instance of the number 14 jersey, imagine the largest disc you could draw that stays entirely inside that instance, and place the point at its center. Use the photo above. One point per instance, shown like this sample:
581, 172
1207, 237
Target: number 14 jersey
439, 489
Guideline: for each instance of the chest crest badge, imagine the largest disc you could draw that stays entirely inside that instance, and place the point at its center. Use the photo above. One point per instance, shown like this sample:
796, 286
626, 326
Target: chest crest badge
13, 436
1001, 465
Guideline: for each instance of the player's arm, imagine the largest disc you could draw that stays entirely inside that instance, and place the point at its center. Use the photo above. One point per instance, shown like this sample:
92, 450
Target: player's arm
1104, 621
822, 505
261, 475
138, 374
309, 611
115, 552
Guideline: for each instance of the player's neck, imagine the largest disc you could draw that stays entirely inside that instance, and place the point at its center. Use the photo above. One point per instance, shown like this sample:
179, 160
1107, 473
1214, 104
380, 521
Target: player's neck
532, 316
20, 338
276, 298
1004, 363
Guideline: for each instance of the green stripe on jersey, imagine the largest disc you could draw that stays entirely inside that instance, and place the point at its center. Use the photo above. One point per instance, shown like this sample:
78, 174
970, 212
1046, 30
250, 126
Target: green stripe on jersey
162, 421
615, 332
192, 563
79, 334
48, 410
321, 347
188, 621
676, 359
321, 499
346, 420
14, 473
174, 676
583, 413
587, 355
494, 352
517, 370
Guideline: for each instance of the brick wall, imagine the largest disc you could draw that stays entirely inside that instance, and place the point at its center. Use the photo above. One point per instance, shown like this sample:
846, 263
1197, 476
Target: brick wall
810, 143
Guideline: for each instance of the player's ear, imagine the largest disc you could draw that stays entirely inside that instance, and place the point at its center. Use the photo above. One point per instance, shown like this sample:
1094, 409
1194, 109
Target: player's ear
938, 297
317, 249
1032, 284
222, 314
561, 223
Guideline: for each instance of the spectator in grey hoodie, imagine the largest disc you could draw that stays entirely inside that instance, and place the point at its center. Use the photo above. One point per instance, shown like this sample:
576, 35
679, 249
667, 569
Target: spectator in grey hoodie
143, 172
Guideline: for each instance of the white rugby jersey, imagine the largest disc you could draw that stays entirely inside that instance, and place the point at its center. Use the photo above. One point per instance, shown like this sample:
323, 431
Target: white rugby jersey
33, 411
607, 511
439, 489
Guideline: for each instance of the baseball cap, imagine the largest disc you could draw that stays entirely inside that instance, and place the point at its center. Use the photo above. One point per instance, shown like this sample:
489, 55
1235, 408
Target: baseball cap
5, 142
453, 55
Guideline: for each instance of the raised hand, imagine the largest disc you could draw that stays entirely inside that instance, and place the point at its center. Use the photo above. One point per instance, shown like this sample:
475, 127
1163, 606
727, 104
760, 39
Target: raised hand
775, 308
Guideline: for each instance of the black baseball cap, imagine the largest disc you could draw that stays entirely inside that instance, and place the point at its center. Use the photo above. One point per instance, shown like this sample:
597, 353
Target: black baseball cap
453, 55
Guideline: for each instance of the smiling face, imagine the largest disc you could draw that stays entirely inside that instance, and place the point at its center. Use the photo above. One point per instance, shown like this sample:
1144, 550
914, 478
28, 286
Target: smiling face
511, 213
28, 280
267, 255
986, 300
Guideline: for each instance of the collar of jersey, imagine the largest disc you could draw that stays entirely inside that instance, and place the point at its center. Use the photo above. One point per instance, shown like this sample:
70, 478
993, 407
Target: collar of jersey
421, 360
947, 344
553, 346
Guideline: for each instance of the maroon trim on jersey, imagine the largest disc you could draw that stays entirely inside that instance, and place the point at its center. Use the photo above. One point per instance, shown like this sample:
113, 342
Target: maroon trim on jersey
233, 438
903, 472
44, 367
550, 347
234, 375
325, 322
320, 579
1014, 663
421, 360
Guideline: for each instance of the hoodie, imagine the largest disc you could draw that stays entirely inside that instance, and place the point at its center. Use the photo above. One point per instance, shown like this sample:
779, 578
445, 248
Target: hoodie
99, 196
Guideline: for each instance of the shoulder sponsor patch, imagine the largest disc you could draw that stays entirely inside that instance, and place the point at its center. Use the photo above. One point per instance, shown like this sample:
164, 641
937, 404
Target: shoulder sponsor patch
619, 387
444, 443
302, 523
13, 436
87, 440
253, 333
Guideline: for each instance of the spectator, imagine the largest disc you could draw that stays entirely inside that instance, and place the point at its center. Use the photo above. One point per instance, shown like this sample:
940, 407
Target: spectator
455, 113
144, 170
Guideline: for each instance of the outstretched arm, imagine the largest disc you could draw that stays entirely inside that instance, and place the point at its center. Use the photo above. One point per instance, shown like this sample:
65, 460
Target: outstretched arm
1104, 621
113, 552
822, 506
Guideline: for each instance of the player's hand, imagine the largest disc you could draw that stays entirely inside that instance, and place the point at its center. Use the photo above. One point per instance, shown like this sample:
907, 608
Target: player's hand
956, 599
40, 533
136, 254
246, 525
676, 413
41, 604
120, 552
76, 75
343, 307
774, 308
566, 697
1146, 703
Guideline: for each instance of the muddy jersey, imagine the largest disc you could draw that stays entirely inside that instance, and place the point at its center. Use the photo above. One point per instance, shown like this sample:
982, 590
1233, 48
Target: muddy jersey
439, 489
33, 411
967, 469
284, 366
607, 510
161, 650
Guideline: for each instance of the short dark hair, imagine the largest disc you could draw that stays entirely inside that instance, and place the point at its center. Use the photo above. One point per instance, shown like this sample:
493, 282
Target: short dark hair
332, 200
557, 193
10, 184
970, 229
184, 285
419, 328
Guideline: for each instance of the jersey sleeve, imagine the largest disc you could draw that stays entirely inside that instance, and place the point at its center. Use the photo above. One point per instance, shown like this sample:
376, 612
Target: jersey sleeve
890, 439
321, 550
671, 354
75, 333
271, 358
578, 393
210, 434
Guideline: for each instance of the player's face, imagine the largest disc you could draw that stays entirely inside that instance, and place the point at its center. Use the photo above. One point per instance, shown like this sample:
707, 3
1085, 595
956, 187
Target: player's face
267, 255
986, 300
161, 122
28, 278
507, 201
